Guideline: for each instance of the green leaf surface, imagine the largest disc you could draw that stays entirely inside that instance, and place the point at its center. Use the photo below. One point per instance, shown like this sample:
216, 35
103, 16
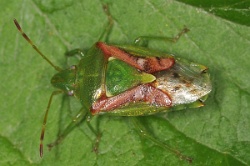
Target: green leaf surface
217, 134
237, 11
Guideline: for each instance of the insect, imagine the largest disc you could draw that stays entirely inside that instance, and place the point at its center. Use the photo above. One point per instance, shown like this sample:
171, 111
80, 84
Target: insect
127, 80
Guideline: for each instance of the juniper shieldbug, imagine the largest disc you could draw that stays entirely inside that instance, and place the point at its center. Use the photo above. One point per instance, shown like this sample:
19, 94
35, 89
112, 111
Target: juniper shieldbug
127, 80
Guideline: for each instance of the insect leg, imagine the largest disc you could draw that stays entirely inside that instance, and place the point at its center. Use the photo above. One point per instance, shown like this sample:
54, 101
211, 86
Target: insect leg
81, 116
45, 119
98, 135
143, 40
103, 37
108, 28
144, 133
74, 52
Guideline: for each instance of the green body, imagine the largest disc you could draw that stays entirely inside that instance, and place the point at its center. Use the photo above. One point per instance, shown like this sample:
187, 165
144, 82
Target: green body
187, 83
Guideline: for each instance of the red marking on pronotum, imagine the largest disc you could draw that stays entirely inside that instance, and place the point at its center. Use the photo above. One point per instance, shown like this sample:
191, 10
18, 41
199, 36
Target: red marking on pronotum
148, 64
146, 93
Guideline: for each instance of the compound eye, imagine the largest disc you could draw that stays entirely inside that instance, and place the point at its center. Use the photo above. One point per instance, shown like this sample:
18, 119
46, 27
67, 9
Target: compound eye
71, 93
73, 67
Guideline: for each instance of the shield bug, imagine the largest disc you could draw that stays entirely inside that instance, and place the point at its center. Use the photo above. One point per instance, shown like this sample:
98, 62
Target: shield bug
127, 80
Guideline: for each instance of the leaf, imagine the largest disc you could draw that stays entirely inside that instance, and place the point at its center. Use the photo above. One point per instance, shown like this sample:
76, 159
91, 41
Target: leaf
215, 134
233, 10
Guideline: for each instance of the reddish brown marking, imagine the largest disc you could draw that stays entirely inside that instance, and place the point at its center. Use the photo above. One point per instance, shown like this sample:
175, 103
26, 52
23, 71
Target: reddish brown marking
41, 142
149, 65
145, 93
41, 150
177, 87
193, 91
188, 84
42, 134
17, 25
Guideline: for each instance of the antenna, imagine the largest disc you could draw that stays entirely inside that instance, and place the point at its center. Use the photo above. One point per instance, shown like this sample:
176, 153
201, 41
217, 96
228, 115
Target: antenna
34, 46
